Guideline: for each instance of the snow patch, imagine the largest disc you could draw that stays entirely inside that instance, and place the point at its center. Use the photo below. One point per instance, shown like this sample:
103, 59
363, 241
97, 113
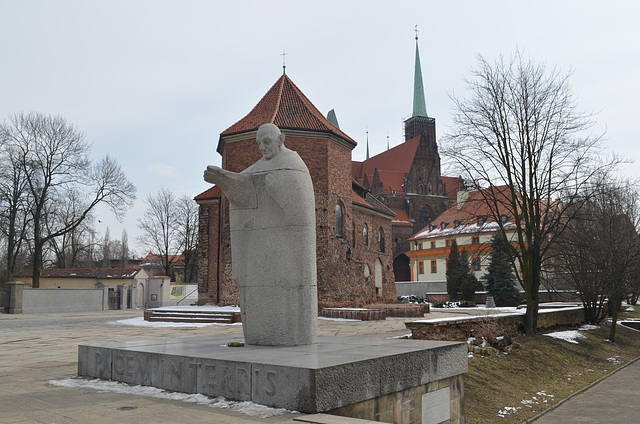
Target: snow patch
140, 322
541, 397
570, 336
615, 360
246, 407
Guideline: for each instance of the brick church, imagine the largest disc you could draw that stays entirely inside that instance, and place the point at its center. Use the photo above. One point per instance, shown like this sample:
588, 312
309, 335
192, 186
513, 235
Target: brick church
365, 211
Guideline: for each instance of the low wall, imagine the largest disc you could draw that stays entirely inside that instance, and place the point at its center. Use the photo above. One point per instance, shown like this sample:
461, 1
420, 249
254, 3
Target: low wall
419, 288
491, 325
63, 300
377, 312
481, 297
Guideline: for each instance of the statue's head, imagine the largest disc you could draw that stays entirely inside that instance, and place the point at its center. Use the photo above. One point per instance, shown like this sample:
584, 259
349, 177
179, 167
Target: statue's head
269, 140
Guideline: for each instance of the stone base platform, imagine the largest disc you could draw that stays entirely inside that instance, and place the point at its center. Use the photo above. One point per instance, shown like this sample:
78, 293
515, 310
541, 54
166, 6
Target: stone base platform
328, 376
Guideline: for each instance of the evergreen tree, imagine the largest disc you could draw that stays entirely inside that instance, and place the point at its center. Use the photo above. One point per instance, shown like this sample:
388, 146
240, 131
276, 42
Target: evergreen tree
500, 279
469, 284
461, 282
455, 271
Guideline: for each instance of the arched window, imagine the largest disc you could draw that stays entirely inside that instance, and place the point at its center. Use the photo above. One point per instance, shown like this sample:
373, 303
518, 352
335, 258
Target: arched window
339, 219
365, 235
380, 240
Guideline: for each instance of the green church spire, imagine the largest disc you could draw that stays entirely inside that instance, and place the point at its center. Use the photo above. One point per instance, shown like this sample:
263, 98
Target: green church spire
419, 104
367, 144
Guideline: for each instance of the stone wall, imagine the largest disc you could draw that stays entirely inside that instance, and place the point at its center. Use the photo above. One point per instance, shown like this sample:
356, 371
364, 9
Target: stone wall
491, 325
414, 405
59, 300
481, 297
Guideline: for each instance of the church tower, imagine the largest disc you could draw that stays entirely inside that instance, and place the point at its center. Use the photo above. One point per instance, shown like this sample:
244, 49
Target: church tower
407, 178
420, 123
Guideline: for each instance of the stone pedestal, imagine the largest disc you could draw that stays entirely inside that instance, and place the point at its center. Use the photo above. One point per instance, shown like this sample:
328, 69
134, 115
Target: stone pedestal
339, 375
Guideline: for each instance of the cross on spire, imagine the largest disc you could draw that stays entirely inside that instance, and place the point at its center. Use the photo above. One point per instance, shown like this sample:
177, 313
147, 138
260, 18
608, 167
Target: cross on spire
416, 30
284, 63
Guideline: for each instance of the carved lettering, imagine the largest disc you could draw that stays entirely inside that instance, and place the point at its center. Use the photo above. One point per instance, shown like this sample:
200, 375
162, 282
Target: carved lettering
98, 358
271, 383
172, 368
118, 364
129, 366
210, 377
243, 385
225, 382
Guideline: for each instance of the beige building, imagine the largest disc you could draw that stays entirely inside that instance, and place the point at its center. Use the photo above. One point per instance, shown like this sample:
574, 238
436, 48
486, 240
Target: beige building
469, 222
143, 291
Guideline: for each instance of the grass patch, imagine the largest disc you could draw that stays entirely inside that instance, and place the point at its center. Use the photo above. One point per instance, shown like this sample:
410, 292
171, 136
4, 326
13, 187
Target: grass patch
543, 371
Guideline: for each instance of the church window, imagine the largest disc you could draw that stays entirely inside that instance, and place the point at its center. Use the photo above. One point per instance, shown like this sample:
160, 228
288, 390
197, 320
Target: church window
475, 239
365, 235
433, 244
339, 219
434, 267
421, 267
381, 241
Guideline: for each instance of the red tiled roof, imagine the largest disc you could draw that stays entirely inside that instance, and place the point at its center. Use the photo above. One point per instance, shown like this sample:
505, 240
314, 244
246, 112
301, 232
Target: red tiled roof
362, 196
287, 107
453, 185
392, 166
356, 167
473, 207
397, 159
152, 257
401, 219
211, 193
392, 180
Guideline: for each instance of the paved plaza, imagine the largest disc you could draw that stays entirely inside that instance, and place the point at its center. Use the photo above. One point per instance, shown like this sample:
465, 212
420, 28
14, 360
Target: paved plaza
37, 349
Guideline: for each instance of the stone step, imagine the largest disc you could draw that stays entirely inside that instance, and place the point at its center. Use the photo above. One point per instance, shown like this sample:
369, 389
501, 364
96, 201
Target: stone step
194, 319
159, 315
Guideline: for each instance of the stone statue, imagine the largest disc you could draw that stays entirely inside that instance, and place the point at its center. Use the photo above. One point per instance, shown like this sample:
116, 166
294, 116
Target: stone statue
273, 243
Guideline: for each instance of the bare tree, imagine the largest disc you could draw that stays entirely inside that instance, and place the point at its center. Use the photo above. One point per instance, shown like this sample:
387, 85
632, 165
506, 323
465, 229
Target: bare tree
600, 249
72, 247
14, 201
521, 128
54, 158
124, 253
187, 211
106, 249
159, 228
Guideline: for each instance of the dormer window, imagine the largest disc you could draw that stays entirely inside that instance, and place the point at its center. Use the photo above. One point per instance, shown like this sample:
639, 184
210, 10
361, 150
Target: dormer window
431, 227
456, 223
504, 218
443, 225
482, 220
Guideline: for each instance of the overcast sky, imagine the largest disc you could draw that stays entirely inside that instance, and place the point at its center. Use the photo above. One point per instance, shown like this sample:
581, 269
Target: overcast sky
153, 83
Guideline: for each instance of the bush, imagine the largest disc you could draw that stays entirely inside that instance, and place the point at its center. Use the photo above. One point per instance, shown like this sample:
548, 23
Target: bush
412, 299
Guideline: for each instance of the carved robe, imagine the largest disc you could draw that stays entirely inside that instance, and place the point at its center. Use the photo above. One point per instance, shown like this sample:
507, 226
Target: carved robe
273, 249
